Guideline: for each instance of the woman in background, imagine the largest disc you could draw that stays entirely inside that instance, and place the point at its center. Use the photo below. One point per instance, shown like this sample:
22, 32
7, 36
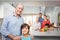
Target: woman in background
46, 21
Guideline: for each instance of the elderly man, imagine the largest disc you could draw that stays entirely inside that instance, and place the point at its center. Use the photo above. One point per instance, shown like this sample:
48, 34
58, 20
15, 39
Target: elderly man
11, 24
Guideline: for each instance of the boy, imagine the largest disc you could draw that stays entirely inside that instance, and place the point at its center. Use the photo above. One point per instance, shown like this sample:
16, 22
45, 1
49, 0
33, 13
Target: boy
25, 32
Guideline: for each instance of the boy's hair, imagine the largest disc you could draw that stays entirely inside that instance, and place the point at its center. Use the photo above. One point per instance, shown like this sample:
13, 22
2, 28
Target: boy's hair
40, 13
23, 26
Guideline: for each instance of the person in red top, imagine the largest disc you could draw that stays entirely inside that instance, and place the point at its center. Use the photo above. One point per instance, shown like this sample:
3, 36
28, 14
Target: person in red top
46, 21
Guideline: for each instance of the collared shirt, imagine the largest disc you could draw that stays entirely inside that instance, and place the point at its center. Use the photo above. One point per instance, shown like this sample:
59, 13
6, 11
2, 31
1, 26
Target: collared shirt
40, 20
11, 25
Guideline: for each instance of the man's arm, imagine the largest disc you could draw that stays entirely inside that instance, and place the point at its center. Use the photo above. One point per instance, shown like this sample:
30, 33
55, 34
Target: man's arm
4, 26
14, 37
5, 32
11, 36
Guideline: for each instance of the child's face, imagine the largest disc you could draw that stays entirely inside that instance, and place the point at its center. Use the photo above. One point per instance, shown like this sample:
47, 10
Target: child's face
25, 30
45, 17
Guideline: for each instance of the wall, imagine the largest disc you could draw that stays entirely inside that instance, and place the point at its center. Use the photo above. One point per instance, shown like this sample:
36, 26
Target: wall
1, 11
53, 13
8, 9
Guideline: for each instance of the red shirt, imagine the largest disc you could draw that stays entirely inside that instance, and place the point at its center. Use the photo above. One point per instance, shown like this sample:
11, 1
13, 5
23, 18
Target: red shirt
45, 22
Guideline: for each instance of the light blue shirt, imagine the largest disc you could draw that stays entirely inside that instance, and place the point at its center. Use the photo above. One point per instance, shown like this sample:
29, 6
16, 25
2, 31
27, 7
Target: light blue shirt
24, 38
11, 25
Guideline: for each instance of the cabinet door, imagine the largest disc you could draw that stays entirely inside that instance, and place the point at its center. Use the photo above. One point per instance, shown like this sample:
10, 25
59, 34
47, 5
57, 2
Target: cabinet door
59, 19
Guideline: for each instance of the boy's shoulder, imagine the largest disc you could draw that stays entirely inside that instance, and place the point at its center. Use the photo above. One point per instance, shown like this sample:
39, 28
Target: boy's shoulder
29, 37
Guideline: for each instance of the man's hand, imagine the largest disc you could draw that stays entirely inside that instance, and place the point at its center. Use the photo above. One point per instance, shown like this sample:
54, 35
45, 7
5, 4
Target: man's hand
16, 38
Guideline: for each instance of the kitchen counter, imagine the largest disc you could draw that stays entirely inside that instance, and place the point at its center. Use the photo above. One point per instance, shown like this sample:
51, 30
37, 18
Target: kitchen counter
49, 35
54, 32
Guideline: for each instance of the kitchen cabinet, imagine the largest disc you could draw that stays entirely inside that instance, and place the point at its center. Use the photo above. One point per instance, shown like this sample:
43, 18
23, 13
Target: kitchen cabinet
59, 19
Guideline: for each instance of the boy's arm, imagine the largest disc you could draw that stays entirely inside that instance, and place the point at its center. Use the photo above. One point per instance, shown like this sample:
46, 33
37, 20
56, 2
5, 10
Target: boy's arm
32, 37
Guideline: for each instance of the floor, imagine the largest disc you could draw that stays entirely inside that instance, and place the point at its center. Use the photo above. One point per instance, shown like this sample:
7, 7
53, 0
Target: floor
0, 37
47, 38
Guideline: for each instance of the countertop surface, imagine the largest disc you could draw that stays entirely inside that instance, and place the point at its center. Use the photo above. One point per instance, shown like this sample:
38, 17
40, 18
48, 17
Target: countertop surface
54, 32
